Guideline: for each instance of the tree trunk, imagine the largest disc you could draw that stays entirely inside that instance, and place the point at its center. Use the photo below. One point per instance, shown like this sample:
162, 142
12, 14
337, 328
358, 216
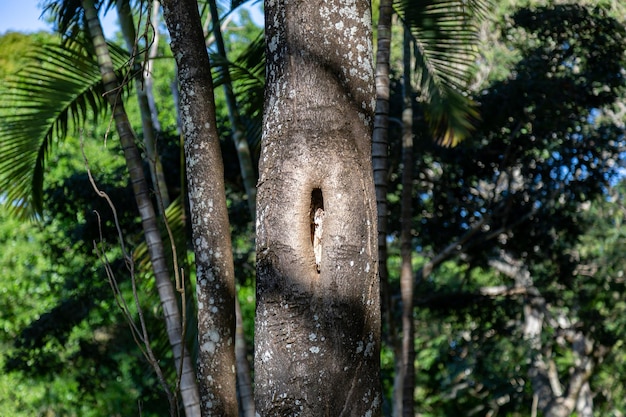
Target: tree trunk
380, 154
148, 79
406, 247
209, 215
248, 174
244, 378
241, 143
148, 127
584, 405
318, 317
167, 293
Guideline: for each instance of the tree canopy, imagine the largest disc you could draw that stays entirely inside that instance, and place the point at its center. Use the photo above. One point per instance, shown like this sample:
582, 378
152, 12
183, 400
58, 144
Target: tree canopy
515, 235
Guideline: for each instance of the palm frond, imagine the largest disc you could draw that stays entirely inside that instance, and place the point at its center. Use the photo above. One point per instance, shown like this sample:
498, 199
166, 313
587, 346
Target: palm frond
445, 35
67, 16
59, 87
234, 4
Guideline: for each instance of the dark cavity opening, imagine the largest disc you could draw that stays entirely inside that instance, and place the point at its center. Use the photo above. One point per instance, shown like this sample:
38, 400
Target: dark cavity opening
317, 202
317, 199
317, 223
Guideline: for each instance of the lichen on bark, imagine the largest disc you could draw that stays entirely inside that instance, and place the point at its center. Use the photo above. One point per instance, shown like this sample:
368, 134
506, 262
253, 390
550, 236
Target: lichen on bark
317, 132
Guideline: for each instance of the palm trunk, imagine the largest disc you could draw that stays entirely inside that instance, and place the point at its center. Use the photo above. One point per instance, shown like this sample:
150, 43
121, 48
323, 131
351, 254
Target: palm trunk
406, 272
244, 379
148, 79
241, 143
148, 127
209, 215
167, 294
141, 87
380, 154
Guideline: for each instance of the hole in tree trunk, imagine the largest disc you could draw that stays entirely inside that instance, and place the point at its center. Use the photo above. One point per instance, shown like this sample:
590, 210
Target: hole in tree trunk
317, 224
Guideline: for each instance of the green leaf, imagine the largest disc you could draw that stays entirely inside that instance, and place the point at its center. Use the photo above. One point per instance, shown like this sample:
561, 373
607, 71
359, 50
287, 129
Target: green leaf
445, 35
60, 87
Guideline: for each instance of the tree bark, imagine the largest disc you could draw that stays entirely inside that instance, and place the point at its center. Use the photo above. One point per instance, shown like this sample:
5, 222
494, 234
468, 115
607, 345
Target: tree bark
248, 174
244, 376
380, 152
165, 287
406, 247
318, 316
148, 79
209, 215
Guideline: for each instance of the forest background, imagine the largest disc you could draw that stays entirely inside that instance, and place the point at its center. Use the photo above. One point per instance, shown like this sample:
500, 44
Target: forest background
516, 234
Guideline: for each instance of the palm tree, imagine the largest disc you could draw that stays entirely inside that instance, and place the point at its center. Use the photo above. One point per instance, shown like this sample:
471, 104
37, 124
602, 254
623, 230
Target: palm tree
149, 120
407, 354
249, 178
188, 384
60, 86
241, 143
23, 148
443, 33
380, 145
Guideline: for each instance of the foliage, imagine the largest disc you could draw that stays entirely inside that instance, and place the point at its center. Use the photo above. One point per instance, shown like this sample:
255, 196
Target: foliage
76, 325
517, 188
444, 36
71, 347
59, 87
539, 180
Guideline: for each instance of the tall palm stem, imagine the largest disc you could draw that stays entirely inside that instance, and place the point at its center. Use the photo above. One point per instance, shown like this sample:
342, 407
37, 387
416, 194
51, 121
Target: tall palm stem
188, 385
244, 380
406, 249
147, 121
241, 143
380, 151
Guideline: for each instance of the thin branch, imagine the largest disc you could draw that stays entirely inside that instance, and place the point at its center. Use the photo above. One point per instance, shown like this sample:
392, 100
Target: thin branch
141, 338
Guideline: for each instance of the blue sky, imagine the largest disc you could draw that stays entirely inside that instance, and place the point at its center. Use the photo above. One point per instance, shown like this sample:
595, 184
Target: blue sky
23, 16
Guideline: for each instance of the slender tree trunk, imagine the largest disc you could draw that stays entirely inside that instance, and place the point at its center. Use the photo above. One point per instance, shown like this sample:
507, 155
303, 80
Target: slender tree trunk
244, 379
318, 318
148, 128
406, 247
380, 154
241, 143
209, 215
246, 167
148, 78
167, 293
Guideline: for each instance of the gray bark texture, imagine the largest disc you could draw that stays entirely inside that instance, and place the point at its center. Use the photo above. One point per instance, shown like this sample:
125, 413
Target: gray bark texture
317, 327
165, 286
209, 215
